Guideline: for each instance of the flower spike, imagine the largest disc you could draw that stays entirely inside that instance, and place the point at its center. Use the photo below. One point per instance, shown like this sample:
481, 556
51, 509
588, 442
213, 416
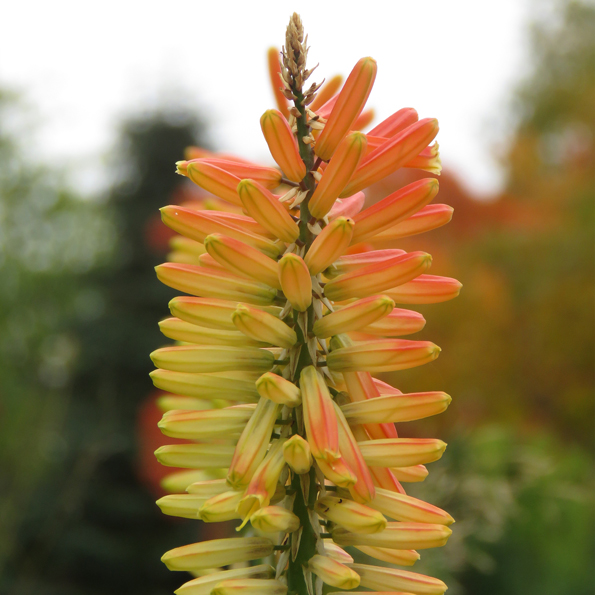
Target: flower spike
270, 384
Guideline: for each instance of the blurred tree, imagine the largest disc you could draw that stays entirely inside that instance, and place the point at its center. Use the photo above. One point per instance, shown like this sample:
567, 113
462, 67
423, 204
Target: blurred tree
85, 523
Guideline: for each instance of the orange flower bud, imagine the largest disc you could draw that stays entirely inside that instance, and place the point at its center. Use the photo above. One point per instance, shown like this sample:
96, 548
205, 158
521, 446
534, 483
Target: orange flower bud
396, 408
394, 124
426, 219
394, 208
242, 259
412, 474
347, 207
352, 262
381, 577
398, 536
274, 76
405, 508
396, 324
331, 243
267, 210
212, 283
269, 177
357, 315
337, 174
348, 106
295, 281
198, 225
401, 452
384, 355
392, 155
426, 289
214, 180
377, 278
282, 145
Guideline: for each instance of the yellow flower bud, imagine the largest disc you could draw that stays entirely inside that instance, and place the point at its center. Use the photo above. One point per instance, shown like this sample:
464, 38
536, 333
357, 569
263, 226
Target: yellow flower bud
333, 572
297, 454
180, 330
278, 389
181, 505
250, 586
261, 326
381, 577
272, 519
195, 456
296, 281
401, 452
217, 552
203, 585
222, 507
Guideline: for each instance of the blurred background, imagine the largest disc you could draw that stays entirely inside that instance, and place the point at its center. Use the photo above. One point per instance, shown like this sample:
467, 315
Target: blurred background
96, 105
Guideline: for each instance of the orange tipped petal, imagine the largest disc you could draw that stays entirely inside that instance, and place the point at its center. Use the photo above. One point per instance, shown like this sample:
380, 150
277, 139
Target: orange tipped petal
348, 106
337, 174
267, 210
282, 144
377, 278
382, 356
331, 243
296, 281
393, 154
274, 65
394, 208
426, 289
398, 557
405, 508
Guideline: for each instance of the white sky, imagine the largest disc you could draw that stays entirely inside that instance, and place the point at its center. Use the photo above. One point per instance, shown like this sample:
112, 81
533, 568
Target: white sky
85, 65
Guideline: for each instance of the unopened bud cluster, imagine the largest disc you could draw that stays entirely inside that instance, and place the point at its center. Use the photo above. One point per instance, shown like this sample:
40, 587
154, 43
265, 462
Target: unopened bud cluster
291, 312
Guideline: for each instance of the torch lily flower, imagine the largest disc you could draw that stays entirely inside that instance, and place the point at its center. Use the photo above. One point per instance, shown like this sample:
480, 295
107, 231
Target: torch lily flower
290, 315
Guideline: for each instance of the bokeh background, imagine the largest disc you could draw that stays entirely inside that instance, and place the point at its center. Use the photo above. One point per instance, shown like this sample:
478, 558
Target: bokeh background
96, 104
